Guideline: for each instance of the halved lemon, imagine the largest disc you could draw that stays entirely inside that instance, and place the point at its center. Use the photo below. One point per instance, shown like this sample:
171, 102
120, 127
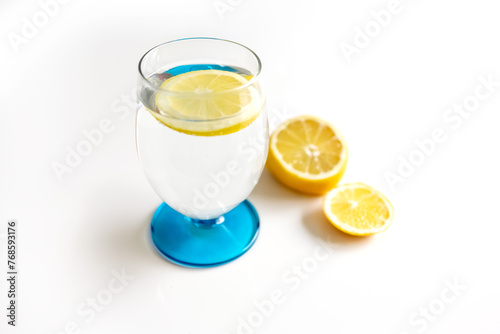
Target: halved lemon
307, 154
358, 209
207, 102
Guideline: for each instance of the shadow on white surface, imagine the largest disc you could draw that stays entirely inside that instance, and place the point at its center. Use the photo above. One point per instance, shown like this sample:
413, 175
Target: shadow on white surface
270, 194
135, 242
316, 223
119, 234
135, 245
273, 192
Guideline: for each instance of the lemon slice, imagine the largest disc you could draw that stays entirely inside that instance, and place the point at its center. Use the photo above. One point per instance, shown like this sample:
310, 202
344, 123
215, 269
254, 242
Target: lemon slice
358, 209
307, 154
207, 103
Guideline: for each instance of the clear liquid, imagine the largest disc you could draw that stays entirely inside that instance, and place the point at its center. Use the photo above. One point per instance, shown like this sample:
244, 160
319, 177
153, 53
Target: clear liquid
202, 177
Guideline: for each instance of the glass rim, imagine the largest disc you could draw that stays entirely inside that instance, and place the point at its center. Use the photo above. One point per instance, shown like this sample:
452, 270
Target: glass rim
157, 88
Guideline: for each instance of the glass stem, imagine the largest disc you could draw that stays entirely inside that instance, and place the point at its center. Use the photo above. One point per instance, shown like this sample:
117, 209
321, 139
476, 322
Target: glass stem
208, 223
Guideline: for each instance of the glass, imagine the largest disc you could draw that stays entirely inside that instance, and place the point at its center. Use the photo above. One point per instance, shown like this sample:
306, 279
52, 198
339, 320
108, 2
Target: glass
203, 166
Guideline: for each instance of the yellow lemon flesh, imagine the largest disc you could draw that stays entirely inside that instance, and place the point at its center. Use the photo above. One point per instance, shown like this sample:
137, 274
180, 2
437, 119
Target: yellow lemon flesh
358, 209
207, 102
307, 154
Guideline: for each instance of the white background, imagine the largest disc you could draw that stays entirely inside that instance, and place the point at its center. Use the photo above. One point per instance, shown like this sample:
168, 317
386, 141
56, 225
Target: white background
74, 233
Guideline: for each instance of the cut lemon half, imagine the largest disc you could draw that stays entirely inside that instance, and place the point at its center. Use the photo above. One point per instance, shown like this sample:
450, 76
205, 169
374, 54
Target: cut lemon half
358, 209
307, 154
207, 102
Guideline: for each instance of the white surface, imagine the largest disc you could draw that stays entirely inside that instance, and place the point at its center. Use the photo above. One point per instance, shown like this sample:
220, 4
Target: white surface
74, 233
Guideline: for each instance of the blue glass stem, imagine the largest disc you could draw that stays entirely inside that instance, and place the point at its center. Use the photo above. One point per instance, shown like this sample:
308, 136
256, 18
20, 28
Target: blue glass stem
209, 223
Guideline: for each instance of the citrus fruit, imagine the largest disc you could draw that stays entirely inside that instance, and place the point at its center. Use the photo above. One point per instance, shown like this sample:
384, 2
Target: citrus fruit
307, 154
358, 209
207, 102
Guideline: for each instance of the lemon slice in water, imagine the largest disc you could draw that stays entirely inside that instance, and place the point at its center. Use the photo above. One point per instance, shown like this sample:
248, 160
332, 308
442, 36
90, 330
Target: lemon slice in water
208, 102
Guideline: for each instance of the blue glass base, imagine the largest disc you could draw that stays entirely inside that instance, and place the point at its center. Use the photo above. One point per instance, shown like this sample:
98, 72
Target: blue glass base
204, 243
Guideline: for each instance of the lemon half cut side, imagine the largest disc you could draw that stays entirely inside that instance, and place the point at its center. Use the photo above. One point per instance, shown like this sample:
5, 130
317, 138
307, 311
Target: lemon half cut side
307, 154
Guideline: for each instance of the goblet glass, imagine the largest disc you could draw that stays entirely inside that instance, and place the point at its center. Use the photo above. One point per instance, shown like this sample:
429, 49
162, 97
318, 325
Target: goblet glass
202, 139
